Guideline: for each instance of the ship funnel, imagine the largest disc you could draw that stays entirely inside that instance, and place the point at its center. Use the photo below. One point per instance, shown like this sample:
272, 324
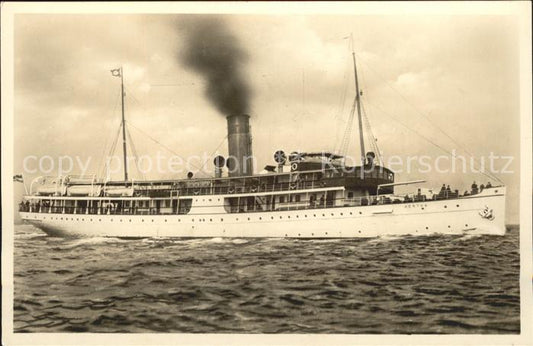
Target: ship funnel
240, 160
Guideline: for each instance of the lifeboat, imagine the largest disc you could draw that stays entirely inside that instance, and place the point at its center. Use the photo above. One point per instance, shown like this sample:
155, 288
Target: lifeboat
51, 189
84, 190
118, 191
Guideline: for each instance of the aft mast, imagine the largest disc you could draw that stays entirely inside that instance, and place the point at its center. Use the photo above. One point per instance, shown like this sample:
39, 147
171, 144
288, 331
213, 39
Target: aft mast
358, 102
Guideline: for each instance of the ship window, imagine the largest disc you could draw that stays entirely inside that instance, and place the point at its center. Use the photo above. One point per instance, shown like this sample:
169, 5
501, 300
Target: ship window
297, 198
221, 219
350, 194
282, 199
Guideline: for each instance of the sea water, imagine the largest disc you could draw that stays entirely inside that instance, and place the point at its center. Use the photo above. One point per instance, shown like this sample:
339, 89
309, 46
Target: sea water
404, 285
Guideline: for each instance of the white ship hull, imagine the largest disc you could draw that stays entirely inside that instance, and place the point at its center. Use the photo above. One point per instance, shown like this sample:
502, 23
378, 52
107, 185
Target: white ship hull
483, 213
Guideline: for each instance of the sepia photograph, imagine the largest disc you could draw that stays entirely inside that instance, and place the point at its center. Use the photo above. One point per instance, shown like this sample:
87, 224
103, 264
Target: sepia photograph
255, 173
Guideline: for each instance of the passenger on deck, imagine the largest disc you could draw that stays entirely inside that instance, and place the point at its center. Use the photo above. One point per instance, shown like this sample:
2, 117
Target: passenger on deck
489, 185
481, 187
474, 188
322, 201
443, 189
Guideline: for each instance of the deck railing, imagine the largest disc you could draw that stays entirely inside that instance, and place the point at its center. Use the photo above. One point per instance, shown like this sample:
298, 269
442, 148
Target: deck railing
241, 205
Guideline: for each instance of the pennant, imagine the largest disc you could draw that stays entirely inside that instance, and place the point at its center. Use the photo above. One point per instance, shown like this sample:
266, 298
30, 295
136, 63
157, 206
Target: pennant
115, 72
18, 178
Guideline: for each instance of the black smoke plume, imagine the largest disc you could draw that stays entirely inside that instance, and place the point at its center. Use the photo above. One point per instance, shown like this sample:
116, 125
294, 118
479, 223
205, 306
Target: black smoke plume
213, 51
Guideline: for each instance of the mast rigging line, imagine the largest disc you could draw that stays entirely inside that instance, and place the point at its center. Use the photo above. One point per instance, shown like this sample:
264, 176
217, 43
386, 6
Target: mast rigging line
161, 144
213, 153
427, 139
134, 151
420, 113
101, 167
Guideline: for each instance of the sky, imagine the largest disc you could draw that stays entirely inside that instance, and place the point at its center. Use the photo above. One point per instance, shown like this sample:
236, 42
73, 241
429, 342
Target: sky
429, 82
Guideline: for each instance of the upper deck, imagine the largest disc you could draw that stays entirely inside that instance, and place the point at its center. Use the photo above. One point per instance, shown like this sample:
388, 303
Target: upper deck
359, 180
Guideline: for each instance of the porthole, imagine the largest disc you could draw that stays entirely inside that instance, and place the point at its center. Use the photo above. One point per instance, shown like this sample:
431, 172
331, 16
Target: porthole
120, 220
61, 218
314, 215
82, 219
457, 205
305, 215
281, 217
449, 226
445, 206
143, 220
100, 220
130, 220
210, 220
360, 213
427, 227
350, 213
152, 220
332, 214
466, 225
298, 234
111, 220
323, 214
248, 219
272, 217
260, 218
288, 217
77, 219
326, 233
342, 214
165, 220
312, 234
297, 216
359, 231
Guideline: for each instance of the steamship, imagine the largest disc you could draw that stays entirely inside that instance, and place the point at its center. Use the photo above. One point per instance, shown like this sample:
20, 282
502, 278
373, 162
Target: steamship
301, 195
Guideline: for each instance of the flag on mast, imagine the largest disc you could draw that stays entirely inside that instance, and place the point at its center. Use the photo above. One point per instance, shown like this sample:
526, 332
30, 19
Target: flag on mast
116, 72
18, 178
